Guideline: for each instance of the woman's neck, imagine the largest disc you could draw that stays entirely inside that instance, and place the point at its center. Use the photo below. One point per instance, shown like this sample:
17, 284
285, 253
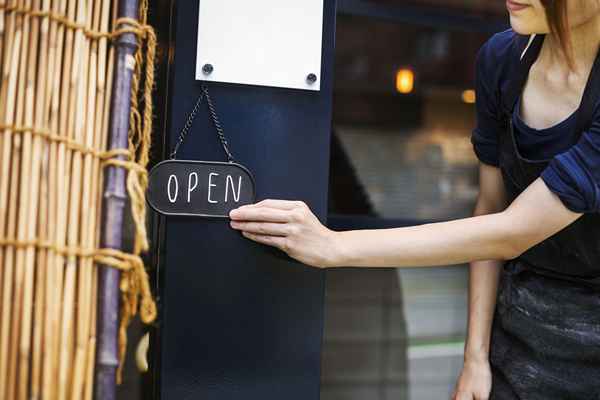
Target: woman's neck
585, 41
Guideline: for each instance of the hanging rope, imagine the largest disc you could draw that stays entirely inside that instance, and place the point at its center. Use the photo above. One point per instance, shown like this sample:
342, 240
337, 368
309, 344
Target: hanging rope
140, 132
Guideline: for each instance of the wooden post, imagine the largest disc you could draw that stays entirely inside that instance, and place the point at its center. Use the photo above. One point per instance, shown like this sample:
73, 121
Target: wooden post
115, 197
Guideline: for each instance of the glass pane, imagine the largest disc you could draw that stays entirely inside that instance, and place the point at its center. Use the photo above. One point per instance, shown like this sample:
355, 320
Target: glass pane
401, 155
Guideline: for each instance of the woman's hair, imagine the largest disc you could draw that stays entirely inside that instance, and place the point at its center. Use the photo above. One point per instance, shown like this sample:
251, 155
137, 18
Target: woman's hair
556, 13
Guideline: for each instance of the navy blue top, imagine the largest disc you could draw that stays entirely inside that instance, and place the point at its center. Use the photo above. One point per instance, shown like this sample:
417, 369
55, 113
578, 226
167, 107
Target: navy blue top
573, 173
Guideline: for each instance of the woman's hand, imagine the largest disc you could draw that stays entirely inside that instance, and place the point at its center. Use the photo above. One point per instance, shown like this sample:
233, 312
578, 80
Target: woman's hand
474, 382
291, 227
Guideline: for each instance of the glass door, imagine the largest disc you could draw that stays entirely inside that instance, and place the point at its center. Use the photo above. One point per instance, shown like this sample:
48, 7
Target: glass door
401, 154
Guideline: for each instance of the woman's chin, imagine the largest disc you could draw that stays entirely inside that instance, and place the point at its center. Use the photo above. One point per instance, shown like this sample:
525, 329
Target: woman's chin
519, 27
523, 27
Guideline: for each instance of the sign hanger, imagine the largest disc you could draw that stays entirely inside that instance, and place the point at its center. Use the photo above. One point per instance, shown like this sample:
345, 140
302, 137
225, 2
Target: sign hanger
200, 188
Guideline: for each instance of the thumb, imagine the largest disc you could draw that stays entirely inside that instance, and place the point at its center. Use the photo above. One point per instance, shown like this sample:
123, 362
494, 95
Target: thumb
461, 395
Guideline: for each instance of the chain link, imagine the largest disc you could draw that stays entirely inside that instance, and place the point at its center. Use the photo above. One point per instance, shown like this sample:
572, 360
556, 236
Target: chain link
187, 126
216, 122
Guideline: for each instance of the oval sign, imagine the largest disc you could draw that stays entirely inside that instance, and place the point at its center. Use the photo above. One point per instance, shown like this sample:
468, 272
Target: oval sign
199, 188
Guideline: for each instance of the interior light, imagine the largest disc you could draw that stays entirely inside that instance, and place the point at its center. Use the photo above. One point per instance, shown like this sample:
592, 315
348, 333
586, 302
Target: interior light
405, 80
468, 96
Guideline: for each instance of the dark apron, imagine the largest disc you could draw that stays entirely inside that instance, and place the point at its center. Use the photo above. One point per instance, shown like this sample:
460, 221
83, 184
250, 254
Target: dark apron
546, 331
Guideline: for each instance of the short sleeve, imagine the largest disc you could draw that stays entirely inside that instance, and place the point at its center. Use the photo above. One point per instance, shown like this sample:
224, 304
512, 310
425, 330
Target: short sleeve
574, 176
489, 126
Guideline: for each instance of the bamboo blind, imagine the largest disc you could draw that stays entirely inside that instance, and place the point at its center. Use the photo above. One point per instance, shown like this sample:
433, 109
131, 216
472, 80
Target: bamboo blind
56, 62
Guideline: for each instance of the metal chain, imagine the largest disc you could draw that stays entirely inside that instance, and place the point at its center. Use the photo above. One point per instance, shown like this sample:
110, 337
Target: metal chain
216, 122
187, 126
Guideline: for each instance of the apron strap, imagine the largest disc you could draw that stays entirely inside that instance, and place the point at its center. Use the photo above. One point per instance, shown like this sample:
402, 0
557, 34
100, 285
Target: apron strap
585, 113
589, 98
516, 84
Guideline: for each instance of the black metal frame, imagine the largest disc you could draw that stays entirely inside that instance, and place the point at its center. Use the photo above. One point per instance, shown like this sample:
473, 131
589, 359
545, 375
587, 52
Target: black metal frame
161, 17
427, 16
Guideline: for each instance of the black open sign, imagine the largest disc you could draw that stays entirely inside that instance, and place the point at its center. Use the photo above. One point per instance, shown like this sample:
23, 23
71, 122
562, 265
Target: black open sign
199, 188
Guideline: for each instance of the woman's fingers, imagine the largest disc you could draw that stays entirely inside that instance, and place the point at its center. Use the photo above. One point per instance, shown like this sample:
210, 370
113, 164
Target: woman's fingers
276, 241
255, 213
279, 204
261, 228
289, 226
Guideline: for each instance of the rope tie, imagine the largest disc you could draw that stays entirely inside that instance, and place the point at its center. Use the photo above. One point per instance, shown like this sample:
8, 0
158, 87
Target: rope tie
134, 25
135, 285
70, 143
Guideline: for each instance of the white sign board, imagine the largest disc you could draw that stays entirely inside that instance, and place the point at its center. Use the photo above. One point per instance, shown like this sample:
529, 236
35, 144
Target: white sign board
261, 42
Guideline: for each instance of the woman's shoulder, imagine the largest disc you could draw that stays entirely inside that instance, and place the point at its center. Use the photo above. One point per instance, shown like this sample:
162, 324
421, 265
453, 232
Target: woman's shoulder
500, 53
501, 44
495, 61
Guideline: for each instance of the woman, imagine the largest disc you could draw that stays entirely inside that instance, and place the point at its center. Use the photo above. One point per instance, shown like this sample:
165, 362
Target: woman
535, 235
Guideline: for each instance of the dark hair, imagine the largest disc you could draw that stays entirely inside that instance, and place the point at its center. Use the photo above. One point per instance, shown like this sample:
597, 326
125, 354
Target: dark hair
556, 13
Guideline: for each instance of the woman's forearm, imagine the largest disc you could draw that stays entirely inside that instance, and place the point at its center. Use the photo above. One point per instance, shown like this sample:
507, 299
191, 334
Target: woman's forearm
444, 243
483, 286
534, 216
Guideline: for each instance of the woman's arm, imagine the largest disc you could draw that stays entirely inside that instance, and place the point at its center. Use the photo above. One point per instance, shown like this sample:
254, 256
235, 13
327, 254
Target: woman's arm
535, 215
475, 380
484, 275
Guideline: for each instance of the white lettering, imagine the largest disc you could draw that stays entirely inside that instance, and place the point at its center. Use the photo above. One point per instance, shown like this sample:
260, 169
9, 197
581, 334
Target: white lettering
190, 187
236, 198
210, 184
171, 179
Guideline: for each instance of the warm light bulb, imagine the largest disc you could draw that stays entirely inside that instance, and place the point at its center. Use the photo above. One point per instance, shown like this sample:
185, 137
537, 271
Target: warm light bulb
468, 96
405, 80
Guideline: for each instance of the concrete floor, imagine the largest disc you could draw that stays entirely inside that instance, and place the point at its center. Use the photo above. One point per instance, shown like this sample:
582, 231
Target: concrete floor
389, 341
